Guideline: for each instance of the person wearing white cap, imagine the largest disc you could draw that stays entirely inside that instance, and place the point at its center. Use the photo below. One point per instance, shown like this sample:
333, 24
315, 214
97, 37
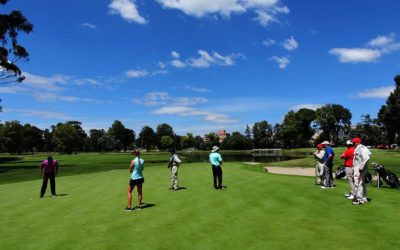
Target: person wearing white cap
328, 165
348, 157
216, 162
360, 163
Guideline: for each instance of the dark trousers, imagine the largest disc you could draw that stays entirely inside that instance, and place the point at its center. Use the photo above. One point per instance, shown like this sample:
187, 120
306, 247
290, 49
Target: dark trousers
217, 173
328, 174
52, 178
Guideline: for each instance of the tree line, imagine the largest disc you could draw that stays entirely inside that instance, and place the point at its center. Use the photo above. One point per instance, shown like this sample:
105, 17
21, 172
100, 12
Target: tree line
300, 128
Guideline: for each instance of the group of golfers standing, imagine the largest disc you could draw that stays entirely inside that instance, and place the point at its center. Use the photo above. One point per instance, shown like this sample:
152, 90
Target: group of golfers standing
137, 179
356, 159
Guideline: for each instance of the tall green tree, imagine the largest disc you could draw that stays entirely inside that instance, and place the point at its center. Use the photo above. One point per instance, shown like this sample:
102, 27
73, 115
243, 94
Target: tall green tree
248, 139
262, 134
147, 138
124, 136
10, 50
69, 137
164, 130
166, 142
95, 135
369, 131
32, 138
107, 143
389, 114
333, 119
289, 129
13, 137
235, 141
187, 141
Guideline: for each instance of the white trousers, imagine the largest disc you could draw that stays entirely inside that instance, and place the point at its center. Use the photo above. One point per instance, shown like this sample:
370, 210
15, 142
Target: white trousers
359, 183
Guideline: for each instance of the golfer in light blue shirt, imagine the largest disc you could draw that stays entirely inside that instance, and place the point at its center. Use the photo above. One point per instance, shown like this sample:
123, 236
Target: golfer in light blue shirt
216, 162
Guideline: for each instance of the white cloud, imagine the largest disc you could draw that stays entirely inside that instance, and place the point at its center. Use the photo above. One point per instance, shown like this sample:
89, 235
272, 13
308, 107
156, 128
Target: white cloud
200, 8
48, 89
282, 61
127, 9
89, 25
290, 44
206, 60
265, 18
136, 73
160, 72
162, 65
382, 92
178, 64
191, 111
381, 41
266, 10
175, 54
375, 49
41, 114
53, 97
356, 55
163, 98
306, 106
194, 89
268, 42
188, 101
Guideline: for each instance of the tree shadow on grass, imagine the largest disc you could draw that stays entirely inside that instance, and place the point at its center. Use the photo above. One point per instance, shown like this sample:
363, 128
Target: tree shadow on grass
9, 159
5, 169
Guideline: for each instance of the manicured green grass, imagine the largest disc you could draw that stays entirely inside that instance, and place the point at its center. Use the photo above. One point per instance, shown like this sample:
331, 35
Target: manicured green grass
258, 210
389, 159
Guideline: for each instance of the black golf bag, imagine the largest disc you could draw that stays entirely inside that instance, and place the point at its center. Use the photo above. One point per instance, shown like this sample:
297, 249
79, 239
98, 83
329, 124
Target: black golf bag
388, 176
340, 172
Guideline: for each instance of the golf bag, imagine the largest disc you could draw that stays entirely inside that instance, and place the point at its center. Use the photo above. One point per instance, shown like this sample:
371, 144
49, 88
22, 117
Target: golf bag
389, 177
340, 172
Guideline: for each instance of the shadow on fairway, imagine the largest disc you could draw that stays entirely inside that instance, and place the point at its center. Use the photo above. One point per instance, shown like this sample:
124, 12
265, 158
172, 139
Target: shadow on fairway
179, 188
8, 159
147, 205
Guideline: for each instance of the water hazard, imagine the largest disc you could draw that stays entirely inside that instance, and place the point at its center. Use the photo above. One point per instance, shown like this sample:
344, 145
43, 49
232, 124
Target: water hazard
238, 157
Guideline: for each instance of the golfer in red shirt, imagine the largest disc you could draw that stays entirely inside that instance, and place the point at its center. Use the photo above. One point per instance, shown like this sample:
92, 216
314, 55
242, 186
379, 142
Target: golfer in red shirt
348, 156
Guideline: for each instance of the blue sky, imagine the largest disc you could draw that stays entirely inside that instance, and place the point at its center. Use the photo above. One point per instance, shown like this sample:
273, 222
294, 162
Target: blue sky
201, 65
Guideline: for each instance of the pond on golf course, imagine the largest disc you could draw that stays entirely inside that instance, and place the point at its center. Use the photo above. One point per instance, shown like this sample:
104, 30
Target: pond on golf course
238, 157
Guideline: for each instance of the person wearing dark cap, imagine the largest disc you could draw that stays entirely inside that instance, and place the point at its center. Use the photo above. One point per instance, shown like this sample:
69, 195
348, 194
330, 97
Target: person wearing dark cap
328, 165
216, 162
360, 164
48, 170
319, 166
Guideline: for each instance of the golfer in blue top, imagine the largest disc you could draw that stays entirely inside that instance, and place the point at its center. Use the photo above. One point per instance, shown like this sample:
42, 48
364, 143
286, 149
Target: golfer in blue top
137, 179
216, 162
328, 165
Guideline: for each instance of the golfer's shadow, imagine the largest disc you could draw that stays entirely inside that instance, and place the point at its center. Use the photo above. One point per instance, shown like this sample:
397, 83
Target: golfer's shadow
179, 188
147, 205
61, 194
